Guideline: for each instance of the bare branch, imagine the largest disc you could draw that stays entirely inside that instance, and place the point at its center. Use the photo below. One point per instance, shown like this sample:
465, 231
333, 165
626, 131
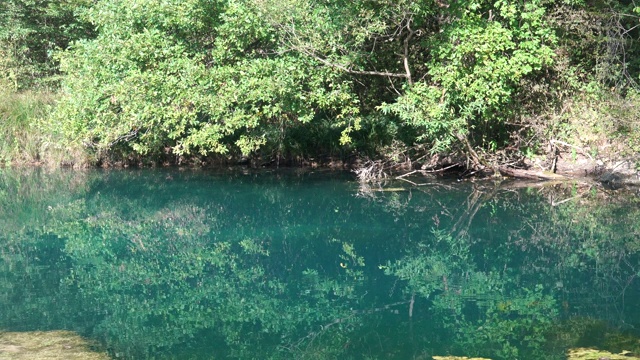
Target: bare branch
349, 70
394, 87
406, 51
124, 138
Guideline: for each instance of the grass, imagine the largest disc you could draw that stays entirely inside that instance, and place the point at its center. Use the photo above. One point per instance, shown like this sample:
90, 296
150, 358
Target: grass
25, 137
20, 112
50, 345
602, 127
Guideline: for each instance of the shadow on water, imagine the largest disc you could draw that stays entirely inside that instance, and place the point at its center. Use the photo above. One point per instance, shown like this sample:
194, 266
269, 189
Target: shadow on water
308, 265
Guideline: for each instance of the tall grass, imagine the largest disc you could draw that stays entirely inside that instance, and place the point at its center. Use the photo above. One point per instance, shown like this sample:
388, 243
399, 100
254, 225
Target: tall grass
20, 113
26, 137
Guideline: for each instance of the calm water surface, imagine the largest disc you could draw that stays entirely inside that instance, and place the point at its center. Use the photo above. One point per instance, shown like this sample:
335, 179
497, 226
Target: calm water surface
168, 264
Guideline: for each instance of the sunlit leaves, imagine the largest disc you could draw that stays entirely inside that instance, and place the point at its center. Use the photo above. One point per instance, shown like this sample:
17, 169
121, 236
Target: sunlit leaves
474, 72
166, 77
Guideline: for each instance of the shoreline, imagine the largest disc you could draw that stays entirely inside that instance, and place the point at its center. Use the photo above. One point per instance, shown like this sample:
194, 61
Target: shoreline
609, 172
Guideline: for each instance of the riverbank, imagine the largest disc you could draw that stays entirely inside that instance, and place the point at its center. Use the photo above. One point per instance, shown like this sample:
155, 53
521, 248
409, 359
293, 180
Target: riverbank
27, 138
600, 141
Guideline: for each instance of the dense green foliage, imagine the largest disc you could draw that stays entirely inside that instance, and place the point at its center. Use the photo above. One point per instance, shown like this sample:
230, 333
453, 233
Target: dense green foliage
173, 80
31, 31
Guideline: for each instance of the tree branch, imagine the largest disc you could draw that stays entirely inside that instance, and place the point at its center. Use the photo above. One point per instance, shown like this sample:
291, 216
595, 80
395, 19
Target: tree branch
351, 71
405, 56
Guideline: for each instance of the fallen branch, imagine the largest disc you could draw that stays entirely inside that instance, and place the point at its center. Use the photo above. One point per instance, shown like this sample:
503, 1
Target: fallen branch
409, 173
530, 174
427, 171
410, 182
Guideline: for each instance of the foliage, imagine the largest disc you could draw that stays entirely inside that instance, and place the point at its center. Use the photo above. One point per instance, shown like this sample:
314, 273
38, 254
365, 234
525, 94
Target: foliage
185, 77
477, 63
30, 32
171, 81
25, 134
241, 77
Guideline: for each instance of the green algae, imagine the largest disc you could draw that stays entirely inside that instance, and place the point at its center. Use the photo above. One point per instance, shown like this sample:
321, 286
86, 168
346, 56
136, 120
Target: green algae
50, 345
593, 354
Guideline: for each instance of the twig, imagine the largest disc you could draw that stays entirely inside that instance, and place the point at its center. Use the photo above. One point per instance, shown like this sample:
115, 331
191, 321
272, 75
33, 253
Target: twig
407, 174
553, 203
393, 86
126, 137
427, 171
553, 142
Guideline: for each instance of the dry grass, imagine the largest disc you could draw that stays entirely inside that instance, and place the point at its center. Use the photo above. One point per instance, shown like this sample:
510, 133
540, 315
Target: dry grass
49, 345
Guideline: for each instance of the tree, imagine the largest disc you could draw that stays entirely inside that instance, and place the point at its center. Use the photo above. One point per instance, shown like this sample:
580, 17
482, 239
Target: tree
239, 77
31, 31
196, 77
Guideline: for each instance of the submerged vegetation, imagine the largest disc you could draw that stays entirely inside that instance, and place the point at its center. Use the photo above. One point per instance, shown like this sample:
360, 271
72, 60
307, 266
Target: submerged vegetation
485, 83
238, 265
49, 345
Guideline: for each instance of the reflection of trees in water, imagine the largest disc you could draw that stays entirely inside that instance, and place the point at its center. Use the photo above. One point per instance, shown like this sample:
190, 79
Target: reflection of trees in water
289, 268
556, 257
31, 260
589, 247
160, 280
487, 311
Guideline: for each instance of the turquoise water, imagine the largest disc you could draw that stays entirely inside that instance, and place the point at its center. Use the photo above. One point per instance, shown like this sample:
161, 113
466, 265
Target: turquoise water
169, 264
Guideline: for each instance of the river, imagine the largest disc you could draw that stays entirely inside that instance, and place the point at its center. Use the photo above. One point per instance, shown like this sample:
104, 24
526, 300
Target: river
301, 264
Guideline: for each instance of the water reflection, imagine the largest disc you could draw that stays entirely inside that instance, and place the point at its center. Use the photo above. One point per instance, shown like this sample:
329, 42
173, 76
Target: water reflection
188, 264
